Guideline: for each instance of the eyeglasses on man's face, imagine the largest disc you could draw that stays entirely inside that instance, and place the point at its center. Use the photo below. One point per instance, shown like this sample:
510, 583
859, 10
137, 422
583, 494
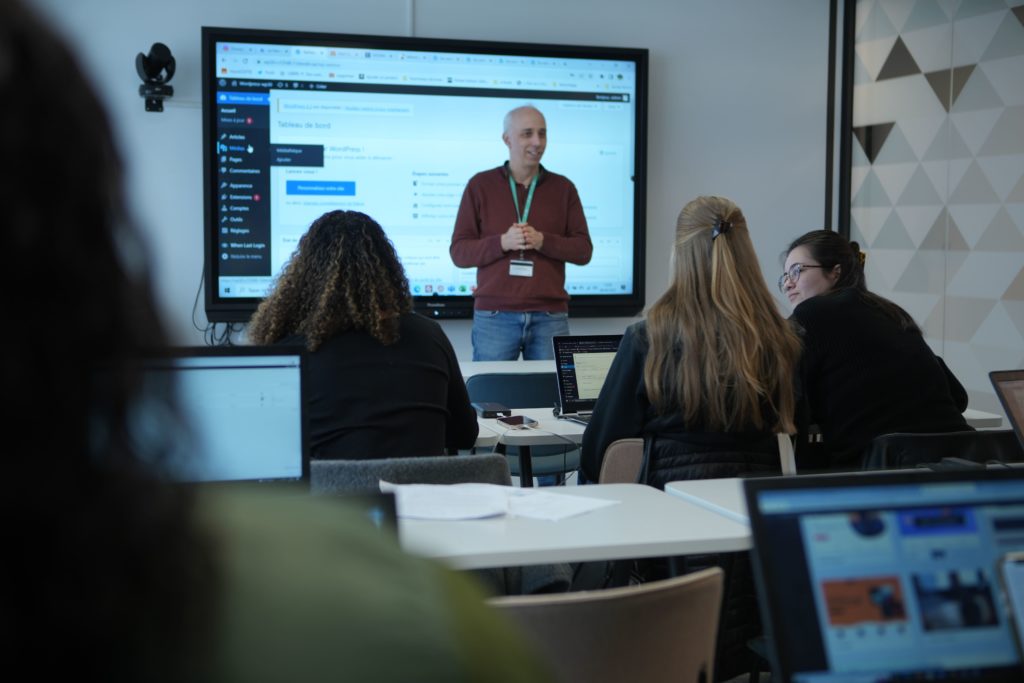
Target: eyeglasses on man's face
793, 274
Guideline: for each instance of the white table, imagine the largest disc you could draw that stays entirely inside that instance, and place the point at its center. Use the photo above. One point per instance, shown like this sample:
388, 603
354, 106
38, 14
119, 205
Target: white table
645, 523
980, 419
549, 431
721, 496
479, 367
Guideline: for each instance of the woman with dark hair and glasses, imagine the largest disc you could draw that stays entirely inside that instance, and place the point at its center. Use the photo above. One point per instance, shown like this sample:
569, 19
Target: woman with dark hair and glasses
866, 369
384, 380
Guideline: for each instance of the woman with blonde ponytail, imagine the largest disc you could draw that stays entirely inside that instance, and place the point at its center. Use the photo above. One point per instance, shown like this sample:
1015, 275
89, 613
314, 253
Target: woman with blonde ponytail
707, 378
707, 381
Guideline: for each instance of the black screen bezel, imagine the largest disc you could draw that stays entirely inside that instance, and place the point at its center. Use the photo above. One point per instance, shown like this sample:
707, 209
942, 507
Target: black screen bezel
224, 309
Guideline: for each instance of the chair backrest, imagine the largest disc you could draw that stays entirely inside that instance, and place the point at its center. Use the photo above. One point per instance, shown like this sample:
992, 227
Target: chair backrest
515, 390
347, 476
657, 631
622, 462
902, 449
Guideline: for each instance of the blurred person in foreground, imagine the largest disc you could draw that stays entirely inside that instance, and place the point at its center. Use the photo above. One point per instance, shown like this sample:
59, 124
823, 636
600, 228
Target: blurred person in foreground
111, 571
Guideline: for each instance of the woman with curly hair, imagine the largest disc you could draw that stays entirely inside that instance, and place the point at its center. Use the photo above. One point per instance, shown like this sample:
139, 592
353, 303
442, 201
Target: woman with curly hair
866, 369
384, 381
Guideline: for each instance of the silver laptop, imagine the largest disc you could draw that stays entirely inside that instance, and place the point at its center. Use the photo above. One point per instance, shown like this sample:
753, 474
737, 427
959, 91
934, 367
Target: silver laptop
1009, 386
581, 365
244, 409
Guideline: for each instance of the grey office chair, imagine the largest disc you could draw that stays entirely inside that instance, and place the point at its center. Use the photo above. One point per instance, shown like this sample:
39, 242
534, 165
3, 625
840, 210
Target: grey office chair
904, 449
657, 631
526, 390
353, 476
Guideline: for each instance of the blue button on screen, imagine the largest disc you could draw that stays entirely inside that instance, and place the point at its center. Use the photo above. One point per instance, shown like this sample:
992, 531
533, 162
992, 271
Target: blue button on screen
343, 188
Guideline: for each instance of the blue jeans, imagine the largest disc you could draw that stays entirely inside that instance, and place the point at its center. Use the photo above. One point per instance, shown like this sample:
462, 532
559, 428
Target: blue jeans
501, 335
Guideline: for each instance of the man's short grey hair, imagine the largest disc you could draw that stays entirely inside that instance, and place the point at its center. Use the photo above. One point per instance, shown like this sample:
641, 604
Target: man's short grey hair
509, 116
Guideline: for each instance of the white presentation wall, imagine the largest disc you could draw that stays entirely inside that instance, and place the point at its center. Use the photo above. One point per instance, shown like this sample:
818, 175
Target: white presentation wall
737, 108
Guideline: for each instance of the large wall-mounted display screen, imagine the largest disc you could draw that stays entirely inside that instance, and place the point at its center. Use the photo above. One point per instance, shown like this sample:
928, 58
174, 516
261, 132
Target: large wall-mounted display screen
297, 124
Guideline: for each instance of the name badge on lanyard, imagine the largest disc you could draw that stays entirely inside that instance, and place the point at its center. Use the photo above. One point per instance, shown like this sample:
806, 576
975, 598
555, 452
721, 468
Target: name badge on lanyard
522, 266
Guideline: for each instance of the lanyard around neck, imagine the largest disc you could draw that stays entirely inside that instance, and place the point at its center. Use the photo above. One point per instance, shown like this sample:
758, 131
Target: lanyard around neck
524, 216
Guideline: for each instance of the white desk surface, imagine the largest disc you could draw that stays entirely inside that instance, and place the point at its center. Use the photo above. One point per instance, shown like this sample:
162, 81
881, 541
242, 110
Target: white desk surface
549, 430
722, 496
980, 419
645, 523
479, 367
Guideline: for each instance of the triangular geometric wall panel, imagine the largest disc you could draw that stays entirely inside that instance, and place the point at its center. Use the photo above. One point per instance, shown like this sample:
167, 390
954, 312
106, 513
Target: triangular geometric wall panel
1003, 173
876, 25
939, 114
985, 275
1006, 136
948, 144
895, 149
1017, 193
899, 63
999, 325
893, 235
973, 188
919, 191
918, 220
1015, 310
883, 267
977, 93
894, 177
926, 272
1015, 292
975, 127
1008, 40
1007, 77
871, 193
1001, 235
948, 83
924, 15
973, 8
944, 235
869, 220
972, 219
872, 54
972, 35
963, 316
872, 138
930, 47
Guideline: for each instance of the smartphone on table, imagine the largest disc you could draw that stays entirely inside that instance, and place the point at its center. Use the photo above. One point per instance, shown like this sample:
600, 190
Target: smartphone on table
517, 421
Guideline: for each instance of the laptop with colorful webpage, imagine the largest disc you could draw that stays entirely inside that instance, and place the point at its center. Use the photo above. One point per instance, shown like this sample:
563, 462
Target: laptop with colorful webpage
887, 576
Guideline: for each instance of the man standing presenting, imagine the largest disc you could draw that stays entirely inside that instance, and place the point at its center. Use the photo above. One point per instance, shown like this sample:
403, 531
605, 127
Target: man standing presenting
519, 224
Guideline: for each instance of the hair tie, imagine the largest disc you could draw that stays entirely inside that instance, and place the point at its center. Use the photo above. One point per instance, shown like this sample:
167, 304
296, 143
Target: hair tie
720, 227
861, 258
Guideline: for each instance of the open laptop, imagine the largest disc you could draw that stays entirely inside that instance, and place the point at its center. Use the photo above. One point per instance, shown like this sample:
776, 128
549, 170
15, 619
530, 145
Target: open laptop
244, 411
1009, 386
581, 365
887, 576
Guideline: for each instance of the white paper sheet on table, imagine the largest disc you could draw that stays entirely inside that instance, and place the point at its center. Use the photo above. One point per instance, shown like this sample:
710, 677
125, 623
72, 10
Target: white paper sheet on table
479, 501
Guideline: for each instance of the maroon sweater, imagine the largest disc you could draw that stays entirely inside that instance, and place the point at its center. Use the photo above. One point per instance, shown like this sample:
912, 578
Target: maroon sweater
487, 211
